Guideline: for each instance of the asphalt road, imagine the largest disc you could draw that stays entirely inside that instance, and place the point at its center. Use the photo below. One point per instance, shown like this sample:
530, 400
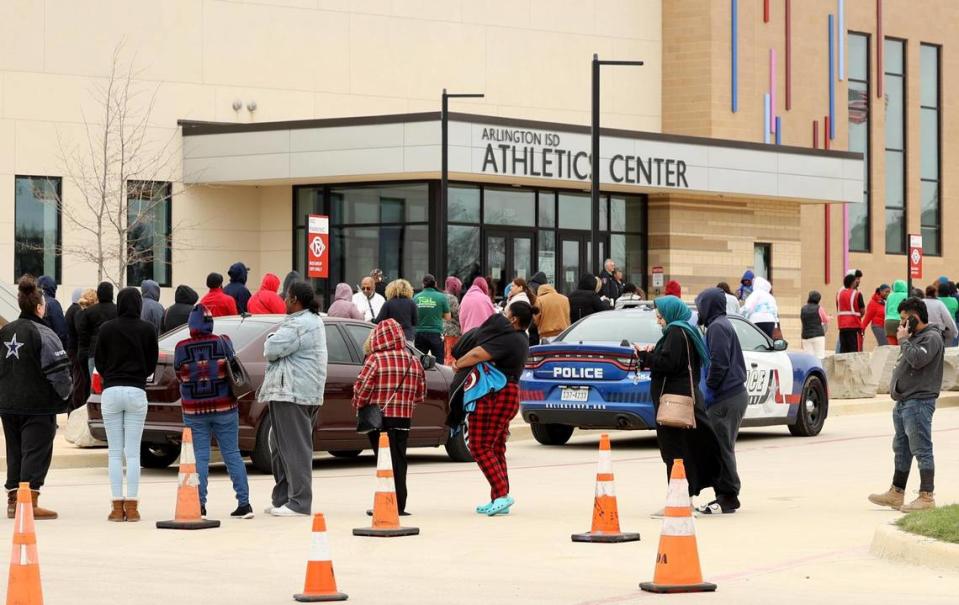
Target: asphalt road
802, 536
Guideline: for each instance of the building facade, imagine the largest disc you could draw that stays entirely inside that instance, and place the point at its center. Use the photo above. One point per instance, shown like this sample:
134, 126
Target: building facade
259, 114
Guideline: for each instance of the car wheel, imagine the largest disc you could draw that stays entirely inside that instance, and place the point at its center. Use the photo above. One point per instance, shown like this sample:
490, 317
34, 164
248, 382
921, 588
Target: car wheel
813, 409
261, 457
345, 453
458, 446
158, 456
552, 434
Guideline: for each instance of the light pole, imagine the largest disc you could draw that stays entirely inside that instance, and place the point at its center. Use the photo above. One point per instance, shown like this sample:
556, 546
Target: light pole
445, 168
594, 157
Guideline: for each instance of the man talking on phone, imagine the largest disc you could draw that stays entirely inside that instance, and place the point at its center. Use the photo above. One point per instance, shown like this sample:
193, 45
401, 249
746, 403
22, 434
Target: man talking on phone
915, 387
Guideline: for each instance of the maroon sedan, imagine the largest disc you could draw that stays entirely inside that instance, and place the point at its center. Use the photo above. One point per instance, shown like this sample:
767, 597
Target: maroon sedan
335, 431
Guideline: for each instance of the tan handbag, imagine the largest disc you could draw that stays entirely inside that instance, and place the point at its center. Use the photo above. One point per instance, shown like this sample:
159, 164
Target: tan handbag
679, 411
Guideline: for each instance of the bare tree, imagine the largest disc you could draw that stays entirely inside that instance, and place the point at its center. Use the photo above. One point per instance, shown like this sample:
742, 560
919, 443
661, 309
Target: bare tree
122, 176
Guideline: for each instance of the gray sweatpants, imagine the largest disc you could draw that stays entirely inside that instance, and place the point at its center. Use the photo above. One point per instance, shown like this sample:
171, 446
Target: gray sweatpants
291, 454
726, 416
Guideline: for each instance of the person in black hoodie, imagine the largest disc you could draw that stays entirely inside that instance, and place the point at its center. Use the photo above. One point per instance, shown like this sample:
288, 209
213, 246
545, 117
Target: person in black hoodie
92, 318
291, 278
237, 287
177, 314
585, 299
725, 395
126, 354
35, 384
54, 315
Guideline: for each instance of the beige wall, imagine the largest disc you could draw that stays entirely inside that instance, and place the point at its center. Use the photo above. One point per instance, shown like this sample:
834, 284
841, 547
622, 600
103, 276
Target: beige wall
299, 59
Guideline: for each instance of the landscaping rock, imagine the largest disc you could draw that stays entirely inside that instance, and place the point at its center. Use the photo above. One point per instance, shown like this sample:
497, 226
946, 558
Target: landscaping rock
850, 376
882, 363
950, 370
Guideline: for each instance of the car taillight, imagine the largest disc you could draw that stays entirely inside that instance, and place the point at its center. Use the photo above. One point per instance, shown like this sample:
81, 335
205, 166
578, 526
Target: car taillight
533, 360
96, 383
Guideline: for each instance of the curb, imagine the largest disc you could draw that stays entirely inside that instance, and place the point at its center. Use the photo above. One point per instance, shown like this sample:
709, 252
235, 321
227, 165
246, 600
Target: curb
849, 407
890, 542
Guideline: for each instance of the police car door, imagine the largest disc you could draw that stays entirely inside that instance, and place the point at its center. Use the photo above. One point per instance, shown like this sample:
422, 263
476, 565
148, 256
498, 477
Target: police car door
768, 373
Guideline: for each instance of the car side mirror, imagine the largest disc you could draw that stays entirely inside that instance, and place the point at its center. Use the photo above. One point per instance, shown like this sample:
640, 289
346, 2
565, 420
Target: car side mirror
427, 361
780, 345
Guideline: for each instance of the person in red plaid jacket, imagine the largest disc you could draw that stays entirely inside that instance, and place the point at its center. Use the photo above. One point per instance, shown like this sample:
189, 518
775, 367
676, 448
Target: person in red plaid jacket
394, 380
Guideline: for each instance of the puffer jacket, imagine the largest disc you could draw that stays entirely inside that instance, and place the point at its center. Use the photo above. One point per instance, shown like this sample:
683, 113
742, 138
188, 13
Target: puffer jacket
266, 301
297, 356
152, 309
760, 306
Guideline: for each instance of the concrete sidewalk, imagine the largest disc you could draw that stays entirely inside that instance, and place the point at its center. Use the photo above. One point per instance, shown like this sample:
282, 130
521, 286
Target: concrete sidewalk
66, 455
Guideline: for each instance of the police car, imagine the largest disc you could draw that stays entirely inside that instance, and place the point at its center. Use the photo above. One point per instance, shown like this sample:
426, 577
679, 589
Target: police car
589, 377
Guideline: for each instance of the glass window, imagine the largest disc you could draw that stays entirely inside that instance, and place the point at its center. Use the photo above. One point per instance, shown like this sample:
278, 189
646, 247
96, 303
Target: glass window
358, 334
635, 271
929, 138
929, 75
893, 56
894, 112
386, 204
464, 204
336, 347
37, 226
762, 260
603, 213
547, 208
462, 251
750, 338
634, 327
515, 207
895, 169
574, 211
857, 57
309, 200
858, 128
929, 160
895, 231
547, 254
242, 332
894, 176
354, 252
626, 214
149, 216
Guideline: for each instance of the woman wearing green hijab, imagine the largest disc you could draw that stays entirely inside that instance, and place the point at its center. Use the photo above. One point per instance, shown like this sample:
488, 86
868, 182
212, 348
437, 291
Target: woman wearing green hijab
682, 345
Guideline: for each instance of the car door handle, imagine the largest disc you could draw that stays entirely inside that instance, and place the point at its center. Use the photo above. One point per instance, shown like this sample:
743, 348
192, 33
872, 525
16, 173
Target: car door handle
754, 364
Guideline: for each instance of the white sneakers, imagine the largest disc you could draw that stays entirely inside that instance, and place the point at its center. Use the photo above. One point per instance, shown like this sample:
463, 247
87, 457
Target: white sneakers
284, 511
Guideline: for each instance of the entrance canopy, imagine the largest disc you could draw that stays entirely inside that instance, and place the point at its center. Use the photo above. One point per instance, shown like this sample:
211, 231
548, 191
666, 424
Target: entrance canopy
496, 149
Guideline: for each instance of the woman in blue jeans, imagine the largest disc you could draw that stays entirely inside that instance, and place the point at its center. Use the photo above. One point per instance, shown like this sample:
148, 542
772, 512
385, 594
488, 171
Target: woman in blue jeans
209, 407
125, 355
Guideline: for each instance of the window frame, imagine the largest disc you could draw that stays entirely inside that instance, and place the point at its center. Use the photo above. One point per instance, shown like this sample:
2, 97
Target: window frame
58, 261
867, 190
886, 150
938, 150
167, 188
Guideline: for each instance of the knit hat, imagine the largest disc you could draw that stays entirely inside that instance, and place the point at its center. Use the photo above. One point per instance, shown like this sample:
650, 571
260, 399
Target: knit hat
673, 288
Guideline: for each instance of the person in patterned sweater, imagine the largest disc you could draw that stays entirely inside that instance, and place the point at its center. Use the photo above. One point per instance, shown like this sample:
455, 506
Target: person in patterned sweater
208, 405
394, 380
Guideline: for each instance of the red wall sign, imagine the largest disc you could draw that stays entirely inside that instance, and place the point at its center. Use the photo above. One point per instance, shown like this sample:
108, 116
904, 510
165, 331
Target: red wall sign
318, 246
915, 256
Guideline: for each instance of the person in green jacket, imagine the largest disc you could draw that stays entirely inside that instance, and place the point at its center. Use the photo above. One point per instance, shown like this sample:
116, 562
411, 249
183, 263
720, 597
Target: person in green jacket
949, 300
899, 293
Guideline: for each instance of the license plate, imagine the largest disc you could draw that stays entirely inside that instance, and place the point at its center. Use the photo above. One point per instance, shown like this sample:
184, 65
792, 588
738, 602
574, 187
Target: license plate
575, 394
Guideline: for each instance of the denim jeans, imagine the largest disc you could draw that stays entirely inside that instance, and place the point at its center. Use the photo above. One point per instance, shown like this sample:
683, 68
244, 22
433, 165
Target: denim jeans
124, 411
225, 427
912, 420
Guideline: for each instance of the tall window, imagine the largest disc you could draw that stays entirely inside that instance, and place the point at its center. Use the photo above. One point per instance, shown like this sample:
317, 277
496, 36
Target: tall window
148, 232
37, 226
895, 72
930, 173
858, 65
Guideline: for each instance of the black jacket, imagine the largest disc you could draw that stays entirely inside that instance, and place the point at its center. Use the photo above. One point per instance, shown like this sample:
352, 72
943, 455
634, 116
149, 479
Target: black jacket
726, 375
93, 317
584, 300
126, 352
611, 289
403, 310
34, 369
178, 313
538, 279
71, 318
54, 314
237, 286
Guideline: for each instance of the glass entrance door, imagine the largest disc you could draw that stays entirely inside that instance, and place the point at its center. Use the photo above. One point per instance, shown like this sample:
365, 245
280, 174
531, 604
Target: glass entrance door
574, 258
508, 255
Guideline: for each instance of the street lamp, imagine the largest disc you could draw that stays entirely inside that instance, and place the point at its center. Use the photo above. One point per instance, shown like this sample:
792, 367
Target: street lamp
594, 156
445, 168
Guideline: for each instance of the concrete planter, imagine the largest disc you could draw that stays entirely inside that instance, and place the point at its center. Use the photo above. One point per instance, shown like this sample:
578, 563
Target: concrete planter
890, 542
850, 376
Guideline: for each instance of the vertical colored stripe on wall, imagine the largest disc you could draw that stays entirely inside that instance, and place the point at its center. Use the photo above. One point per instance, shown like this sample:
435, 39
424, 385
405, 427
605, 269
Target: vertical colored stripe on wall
880, 42
779, 130
766, 119
826, 237
832, 78
815, 134
772, 88
825, 132
734, 53
841, 32
789, 56
765, 11
845, 238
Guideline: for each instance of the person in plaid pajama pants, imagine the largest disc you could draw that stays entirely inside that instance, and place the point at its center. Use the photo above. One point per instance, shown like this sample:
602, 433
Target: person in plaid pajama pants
501, 341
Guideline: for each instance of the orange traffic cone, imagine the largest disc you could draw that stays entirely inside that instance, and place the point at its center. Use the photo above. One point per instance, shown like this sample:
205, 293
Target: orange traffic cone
320, 582
187, 514
677, 560
605, 510
386, 518
24, 585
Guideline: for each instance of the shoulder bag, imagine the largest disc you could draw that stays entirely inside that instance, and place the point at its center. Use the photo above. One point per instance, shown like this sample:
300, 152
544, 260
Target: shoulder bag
369, 418
236, 374
678, 411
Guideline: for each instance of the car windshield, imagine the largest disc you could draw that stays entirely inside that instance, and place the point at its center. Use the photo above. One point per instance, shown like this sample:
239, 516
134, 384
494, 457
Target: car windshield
241, 331
615, 326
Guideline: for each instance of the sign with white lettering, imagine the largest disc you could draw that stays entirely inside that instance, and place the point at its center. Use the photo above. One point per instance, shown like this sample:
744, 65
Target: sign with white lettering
318, 246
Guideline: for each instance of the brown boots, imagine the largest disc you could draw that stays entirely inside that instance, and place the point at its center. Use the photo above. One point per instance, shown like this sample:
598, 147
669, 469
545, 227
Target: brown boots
12, 504
925, 501
892, 498
124, 510
41, 514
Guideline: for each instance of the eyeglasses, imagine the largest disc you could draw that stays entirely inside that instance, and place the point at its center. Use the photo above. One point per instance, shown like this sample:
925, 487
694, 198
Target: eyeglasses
366, 289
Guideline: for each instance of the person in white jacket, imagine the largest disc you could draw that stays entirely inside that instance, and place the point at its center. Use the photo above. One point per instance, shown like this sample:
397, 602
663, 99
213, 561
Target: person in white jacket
367, 300
760, 307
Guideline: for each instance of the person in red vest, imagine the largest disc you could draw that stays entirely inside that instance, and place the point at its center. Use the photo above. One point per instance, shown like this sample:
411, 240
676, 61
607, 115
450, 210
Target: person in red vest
218, 302
849, 305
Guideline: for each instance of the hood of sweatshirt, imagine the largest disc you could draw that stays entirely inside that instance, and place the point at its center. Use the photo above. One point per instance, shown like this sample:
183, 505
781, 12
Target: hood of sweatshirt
200, 321
899, 286
75, 297
185, 295
747, 276
48, 285
343, 292
238, 273
387, 336
761, 284
129, 303
711, 303
673, 288
105, 292
270, 282
545, 289
150, 289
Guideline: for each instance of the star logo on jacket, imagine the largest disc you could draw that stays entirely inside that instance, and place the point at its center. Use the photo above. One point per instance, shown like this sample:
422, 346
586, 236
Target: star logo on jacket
13, 347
